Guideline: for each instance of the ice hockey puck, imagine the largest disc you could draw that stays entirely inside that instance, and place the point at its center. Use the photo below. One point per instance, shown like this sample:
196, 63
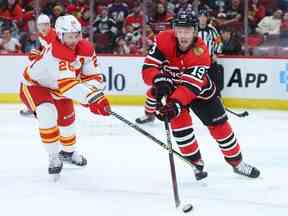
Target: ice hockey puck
187, 208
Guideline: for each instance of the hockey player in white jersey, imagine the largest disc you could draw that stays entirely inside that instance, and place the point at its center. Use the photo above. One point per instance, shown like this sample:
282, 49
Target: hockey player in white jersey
46, 35
65, 71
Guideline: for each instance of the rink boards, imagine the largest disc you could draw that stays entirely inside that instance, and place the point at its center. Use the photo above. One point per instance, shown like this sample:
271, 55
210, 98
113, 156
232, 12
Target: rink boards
249, 82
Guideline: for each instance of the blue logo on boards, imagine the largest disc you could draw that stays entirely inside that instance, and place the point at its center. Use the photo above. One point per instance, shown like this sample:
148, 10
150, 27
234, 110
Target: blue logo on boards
284, 77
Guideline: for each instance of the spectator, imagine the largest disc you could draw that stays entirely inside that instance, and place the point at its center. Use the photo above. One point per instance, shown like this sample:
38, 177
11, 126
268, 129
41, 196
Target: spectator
57, 11
8, 44
232, 16
283, 4
218, 6
84, 19
122, 47
231, 43
47, 7
136, 18
183, 5
162, 19
284, 31
30, 42
133, 40
255, 14
105, 30
11, 10
270, 25
118, 11
4, 23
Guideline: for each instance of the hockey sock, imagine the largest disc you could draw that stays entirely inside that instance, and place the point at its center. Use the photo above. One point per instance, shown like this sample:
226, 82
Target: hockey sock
68, 138
227, 142
49, 132
183, 133
150, 103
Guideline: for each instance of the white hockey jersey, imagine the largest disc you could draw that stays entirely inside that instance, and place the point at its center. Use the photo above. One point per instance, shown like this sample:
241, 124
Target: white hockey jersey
67, 73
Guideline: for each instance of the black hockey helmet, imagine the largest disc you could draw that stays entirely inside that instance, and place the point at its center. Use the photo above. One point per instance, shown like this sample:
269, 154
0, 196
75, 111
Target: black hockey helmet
203, 12
186, 18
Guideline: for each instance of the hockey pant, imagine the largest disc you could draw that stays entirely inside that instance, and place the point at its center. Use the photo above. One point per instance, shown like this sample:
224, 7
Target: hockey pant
56, 118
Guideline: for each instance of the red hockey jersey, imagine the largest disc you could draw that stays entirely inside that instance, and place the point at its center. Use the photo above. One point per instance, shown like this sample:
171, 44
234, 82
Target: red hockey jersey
187, 69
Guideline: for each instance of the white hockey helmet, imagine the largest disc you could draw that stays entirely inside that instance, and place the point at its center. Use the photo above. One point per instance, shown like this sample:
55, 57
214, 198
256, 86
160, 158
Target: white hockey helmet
65, 24
43, 19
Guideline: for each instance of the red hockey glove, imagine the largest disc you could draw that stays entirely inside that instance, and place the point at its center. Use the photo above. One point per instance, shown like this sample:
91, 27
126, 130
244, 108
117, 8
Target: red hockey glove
162, 86
171, 110
100, 105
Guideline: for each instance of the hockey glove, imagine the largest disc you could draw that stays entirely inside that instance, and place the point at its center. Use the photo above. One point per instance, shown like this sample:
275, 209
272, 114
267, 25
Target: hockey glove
171, 110
99, 104
162, 86
34, 54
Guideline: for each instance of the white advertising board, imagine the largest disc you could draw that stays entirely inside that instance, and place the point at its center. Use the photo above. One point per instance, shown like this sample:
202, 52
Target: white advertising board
255, 78
244, 77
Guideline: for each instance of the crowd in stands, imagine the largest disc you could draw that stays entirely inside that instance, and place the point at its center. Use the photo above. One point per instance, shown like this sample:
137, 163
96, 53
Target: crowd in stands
124, 27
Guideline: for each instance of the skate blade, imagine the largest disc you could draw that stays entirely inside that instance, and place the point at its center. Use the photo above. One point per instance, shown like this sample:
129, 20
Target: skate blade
55, 177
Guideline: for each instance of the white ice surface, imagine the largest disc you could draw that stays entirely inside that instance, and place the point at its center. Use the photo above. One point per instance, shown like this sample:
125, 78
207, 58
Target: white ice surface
128, 174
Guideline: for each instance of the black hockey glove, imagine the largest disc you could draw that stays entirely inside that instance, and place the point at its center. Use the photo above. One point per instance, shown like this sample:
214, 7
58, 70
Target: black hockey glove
171, 110
162, 86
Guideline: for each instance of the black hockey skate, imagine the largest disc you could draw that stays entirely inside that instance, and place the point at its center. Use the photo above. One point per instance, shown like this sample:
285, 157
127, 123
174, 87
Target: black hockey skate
145, 119
55, 164
246, 170
198, 171
73, 158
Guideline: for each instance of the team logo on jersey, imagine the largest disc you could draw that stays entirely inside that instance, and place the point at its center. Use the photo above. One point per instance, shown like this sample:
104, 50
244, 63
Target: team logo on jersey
198, 51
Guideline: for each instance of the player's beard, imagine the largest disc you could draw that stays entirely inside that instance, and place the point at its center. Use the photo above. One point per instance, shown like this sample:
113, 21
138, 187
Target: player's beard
72, 46
184, 44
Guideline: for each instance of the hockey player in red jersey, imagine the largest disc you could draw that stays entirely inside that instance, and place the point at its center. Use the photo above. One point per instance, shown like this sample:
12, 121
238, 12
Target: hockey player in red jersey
176, 68
66, 70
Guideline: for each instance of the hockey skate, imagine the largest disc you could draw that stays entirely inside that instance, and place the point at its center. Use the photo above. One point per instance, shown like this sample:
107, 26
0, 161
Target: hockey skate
198, 171
55, 166
246, 170
145, 119
73, 158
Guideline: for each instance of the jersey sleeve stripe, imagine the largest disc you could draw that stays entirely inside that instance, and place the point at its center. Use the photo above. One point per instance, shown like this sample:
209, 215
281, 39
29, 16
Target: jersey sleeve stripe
153, 60
191, 78
191, 87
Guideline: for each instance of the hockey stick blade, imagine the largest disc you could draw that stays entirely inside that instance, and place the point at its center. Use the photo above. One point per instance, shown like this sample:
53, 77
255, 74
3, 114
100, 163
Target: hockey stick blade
240, 115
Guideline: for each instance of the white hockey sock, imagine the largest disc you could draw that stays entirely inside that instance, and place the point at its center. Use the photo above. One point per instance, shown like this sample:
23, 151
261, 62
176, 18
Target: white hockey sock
49, 132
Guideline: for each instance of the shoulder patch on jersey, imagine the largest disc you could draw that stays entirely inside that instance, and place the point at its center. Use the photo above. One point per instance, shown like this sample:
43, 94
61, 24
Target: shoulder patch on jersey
84, 48
199, 48
198, 51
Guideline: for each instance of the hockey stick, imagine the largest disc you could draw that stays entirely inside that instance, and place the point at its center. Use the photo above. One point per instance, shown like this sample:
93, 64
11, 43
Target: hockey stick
240, 115
150, 136
172, 164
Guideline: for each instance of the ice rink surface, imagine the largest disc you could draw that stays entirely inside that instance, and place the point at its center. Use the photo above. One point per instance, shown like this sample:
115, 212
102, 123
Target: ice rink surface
128, 174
